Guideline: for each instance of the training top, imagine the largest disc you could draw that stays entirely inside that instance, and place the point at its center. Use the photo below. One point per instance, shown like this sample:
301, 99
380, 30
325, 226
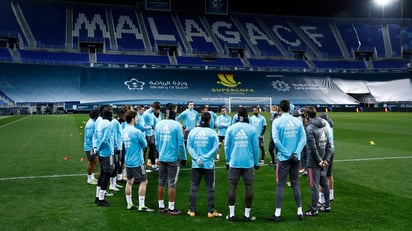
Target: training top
222, 123
140, 124
88, 134
289, 136
94, 140
202, 143
190, 118
134, 143
117, 134
149, 120
258, 122
104, 137
242, 146
169, 140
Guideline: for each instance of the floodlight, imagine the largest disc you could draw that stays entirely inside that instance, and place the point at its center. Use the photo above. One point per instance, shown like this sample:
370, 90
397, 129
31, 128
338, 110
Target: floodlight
382, 2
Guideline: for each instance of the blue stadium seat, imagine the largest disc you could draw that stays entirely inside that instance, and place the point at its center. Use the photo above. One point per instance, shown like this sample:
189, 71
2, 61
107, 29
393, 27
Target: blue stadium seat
162, 30
48, 31
340, 64
45, 57
132, 59
129, 35
258, 37
197, 35
90, 24
5, 55
272, 63
186, 60
226, 33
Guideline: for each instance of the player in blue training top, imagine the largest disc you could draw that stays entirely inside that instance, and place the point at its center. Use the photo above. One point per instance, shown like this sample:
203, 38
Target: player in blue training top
290, 138
92, 158
169, 143
150, 120
242, 154
202, 144
105, 150
190, 119
259, 122
223, 121
134, 143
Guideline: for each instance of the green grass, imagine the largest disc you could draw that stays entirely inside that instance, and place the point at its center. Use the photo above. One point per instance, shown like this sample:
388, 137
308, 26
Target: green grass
42, 191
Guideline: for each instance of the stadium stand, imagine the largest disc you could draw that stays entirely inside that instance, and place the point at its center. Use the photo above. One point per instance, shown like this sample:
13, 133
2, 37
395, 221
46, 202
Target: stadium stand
5, 55
128, 34
41, 26
132, 59
46, 57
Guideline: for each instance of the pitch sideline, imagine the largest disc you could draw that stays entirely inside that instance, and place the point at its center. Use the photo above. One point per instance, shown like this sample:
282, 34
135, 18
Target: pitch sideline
186, 169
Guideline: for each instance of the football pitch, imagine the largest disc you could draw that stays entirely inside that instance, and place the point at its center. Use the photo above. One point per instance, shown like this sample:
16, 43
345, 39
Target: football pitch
40, 190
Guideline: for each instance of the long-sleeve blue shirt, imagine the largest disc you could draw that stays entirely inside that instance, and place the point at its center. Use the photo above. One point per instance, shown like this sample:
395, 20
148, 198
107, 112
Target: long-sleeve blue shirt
169, 140
202, 144
117, 134
104, 138
289, 136
190, 118
242, 146
222, 123
149, 120
134, 143
259, 122
141, 125
88, 134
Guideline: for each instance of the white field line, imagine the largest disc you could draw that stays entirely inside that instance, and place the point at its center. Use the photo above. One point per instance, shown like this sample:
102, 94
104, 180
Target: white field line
186, 169
13, 122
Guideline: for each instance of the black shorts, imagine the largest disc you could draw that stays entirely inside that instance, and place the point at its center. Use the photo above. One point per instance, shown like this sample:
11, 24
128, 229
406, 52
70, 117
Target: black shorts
247, 174
137, 173
106, 164
329, 173
90, 155
168, 171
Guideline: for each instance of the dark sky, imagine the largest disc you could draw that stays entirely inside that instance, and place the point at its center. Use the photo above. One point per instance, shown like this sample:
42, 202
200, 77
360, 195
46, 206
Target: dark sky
322, 8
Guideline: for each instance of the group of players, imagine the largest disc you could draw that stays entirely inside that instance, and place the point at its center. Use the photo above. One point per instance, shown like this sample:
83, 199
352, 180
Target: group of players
299, 138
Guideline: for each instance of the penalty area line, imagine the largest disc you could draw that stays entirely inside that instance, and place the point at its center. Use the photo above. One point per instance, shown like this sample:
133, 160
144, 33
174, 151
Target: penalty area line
187, 169
377, 158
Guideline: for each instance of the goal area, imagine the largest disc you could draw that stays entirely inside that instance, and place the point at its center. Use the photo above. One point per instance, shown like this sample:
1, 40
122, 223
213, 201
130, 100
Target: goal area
233, 103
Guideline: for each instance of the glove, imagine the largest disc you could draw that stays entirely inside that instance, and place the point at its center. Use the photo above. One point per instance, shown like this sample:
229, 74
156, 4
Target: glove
199, 161
256, 167
227, 167
294, 157
183, 162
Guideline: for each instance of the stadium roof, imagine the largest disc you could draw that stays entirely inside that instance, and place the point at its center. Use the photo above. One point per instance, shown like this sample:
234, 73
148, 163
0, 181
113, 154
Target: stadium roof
321, 8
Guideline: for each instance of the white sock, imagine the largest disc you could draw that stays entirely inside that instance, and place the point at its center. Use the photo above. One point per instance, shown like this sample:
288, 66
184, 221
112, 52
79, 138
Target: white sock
89, 177
112, 182
300, 210
171, 205
321, 198
98, 188
278, 211
129, 199
231, 210
247, 212
332, 197
102, 194
141, 201
161, 203
119, 176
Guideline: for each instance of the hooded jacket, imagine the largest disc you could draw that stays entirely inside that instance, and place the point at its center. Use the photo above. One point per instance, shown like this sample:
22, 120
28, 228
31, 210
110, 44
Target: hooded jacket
318, 146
